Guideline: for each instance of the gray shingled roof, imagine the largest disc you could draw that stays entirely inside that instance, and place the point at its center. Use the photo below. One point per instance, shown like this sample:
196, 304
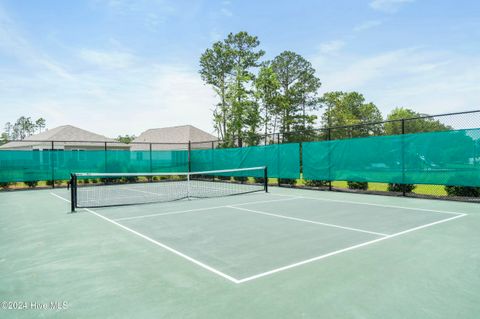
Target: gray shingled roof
76, 136
175, 134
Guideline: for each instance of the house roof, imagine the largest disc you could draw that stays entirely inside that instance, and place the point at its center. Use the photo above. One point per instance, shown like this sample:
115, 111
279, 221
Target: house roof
67, 133
174, 135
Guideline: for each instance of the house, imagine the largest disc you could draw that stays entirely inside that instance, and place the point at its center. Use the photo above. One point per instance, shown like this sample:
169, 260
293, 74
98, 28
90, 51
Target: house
174, 138
65, 137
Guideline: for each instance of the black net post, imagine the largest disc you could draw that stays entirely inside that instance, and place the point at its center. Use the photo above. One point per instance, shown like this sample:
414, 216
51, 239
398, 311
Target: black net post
52, 163
265, 177
403, 158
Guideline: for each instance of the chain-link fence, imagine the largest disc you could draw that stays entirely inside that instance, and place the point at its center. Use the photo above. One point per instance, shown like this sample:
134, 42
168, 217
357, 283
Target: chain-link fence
421, 124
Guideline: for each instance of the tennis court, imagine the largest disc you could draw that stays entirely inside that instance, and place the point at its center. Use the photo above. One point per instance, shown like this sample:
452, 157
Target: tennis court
278, 254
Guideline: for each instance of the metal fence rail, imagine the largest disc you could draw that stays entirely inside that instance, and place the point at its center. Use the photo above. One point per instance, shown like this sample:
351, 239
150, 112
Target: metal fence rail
424, 123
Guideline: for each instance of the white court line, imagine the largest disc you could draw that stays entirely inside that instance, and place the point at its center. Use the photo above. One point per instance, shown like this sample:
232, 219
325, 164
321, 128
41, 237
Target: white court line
309, 221
374, 204
273, 271
201, 209
176, 252
170, 213
267, 273
58, 196
170, 249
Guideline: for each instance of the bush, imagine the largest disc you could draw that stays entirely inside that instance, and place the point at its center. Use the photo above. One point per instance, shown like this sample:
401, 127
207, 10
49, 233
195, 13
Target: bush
287, 181
110, 180
315, 183
59, 182
241, 179
130, 179
463, 191
259, 180
224, 178
5, 185
358, 185
31, 184
401, 187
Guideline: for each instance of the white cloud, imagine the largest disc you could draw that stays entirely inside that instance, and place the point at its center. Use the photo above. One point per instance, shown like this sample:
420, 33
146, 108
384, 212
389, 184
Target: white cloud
226, 12
225, 9
332, 46
151, 13
113, 102
367, 25
389, 6
427, 81
15, 44
107, 59
125, 95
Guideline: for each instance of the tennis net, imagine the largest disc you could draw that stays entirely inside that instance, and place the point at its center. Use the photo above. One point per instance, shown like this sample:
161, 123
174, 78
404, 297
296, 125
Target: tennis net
90, 190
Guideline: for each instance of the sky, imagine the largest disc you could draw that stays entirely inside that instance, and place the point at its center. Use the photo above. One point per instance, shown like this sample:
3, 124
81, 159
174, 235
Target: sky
121, 67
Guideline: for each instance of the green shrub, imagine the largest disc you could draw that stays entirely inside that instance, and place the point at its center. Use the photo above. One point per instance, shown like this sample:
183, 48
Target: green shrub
287, 181
224, 178
31, 184
259, 180
110, 180
463, 191
358, 185
392, 187
315, 183
59, 182
241, 179
5, 185
130, 179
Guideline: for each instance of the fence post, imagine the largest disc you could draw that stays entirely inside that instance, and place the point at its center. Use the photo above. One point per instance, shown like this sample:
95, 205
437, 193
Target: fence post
52, 160
106, 159
151, 161
300, 159
189, 156
404, 193
213, 161
329, 137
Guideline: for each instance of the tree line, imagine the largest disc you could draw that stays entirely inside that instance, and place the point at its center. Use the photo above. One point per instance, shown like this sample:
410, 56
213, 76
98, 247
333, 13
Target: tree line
22, 128
258, 97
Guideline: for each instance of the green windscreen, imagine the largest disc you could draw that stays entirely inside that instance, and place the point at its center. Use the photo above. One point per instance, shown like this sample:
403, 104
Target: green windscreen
444, 158
282, 160
18, 166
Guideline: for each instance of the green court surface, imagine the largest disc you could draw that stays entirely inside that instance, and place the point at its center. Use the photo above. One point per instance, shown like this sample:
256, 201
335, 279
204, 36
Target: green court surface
289, 253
